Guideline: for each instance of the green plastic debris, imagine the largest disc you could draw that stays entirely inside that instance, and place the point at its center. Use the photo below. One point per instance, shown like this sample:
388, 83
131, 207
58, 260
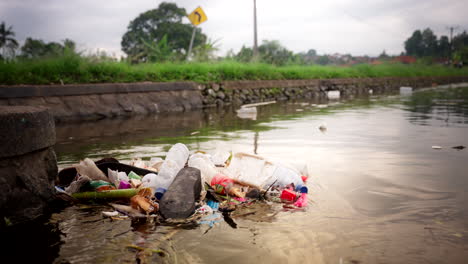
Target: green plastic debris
97, 184
7, 221
133, 175
112, 194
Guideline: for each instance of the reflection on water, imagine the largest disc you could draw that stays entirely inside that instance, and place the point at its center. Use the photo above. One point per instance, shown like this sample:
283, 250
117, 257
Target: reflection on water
448, 107
378, 192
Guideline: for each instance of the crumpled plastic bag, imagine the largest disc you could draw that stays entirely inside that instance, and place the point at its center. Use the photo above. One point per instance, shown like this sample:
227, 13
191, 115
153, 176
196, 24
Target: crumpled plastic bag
75, 186
116, 177
88, 167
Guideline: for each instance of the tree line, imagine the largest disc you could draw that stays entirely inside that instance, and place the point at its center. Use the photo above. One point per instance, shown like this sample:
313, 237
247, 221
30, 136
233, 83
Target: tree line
32, 48
424, 43
160, 35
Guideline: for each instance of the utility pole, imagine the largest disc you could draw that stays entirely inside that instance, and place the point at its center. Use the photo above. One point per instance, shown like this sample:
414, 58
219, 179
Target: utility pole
255, 46
451, 28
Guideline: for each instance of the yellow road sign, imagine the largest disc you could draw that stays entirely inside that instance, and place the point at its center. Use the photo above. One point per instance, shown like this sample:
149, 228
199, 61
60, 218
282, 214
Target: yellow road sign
197, 16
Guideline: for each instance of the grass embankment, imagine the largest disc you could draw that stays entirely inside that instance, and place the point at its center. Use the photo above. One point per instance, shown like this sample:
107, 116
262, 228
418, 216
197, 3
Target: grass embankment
75, 69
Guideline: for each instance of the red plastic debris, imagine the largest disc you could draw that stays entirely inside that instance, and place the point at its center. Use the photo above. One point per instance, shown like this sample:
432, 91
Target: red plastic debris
288, 195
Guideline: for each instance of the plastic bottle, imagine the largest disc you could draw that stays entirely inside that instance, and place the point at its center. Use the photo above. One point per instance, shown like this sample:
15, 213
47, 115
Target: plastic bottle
284, 176
249, 168
258, 171
174, 162
150, 180
205, 165
178, 153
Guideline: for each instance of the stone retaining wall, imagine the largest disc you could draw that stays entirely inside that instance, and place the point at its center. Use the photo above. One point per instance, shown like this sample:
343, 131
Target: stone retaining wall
246, 92
97, 101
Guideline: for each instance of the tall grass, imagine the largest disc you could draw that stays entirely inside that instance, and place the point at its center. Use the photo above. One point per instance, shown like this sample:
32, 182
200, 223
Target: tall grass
75, 69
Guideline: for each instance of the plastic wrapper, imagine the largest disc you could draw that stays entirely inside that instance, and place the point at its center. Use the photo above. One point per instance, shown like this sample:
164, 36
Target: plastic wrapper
87, 167
116, 177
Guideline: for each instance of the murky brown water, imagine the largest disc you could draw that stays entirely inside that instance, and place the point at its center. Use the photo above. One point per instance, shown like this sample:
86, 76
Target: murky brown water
378, 191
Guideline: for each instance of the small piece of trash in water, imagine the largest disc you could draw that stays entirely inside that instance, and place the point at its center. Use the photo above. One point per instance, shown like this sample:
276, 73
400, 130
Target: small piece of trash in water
459, 147
436, 147
110, 214
458, 235
299, 110
194, 133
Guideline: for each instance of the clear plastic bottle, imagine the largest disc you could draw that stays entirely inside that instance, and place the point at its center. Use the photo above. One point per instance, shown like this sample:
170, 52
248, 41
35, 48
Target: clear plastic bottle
178, 153
174, 162
258, 171
285, 176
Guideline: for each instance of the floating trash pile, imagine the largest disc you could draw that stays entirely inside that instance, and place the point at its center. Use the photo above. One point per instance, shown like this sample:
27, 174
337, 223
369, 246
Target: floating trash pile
183, 186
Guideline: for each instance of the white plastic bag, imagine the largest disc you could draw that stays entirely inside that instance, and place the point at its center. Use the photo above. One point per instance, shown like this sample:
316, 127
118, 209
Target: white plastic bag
87, 167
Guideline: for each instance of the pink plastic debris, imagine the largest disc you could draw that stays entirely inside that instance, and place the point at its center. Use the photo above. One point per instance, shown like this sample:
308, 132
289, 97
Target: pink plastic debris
301, 201
124, 185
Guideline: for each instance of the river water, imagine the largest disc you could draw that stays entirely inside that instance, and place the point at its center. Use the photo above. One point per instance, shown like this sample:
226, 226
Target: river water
378, 191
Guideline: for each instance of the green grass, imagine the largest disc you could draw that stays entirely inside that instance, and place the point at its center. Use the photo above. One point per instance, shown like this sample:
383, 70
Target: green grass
74, 69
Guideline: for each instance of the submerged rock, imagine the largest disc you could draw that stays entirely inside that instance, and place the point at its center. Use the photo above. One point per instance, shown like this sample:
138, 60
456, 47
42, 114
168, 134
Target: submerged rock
179, 199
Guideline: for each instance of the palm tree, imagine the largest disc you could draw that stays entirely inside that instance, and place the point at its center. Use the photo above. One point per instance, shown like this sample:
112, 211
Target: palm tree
7, 42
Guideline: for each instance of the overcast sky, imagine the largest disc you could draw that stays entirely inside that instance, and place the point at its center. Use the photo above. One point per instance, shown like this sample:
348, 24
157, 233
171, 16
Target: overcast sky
358, 27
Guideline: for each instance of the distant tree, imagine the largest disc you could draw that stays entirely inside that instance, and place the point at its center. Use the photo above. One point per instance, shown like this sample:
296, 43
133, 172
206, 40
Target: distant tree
461, 55
429, 43
414, 44
311, 53
272, 52
323, 60
460, 41
383, 55
426, 44
151, 27
7, 43
460, 47
244, 55
308, 57
33, 48
36, 48
443, 48
69, 45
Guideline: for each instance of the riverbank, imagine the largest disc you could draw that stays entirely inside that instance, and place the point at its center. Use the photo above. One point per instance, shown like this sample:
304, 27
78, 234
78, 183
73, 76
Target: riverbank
73, 69
98, 101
